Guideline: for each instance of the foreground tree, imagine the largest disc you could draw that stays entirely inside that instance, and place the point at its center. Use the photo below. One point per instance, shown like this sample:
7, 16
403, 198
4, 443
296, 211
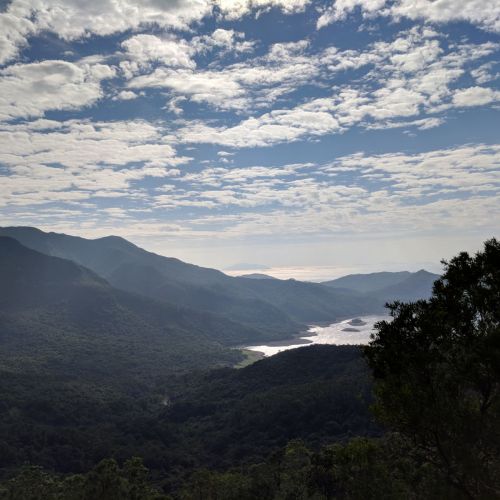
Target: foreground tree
106, 481
437, 372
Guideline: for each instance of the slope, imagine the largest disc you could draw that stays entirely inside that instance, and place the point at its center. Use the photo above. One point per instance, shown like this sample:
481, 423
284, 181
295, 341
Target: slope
388, 286
368, 282
61, 317
276, 307
416, 286
315, 393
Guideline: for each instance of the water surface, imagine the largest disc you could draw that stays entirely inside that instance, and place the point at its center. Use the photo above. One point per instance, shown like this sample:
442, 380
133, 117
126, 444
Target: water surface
350, 331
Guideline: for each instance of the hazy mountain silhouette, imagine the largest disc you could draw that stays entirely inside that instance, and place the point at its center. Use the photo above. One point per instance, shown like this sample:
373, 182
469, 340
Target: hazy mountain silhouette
257, 276
276, 307
416, 286
368, 282
387, 286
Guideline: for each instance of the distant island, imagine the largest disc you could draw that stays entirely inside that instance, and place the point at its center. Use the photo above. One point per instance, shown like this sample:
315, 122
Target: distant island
357, 322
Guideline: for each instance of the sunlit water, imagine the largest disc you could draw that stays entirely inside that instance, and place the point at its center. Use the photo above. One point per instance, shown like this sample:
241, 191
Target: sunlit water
344, 332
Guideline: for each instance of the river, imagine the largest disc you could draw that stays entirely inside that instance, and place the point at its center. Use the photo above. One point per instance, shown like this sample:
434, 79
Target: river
349, 331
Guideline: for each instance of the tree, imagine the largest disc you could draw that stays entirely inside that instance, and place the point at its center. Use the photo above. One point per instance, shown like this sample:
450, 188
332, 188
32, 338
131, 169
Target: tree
437, 372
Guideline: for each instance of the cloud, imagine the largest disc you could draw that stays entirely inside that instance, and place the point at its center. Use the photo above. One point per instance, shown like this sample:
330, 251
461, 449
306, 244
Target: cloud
73, 19
393, 193
14, 32
475, 96
235, 9
403, 77
257, 82
484, 13
125, 95
209, 87
266, 130
405, 83
28, 90
339, 10
485, 73
223, 40
172, 52
47, 161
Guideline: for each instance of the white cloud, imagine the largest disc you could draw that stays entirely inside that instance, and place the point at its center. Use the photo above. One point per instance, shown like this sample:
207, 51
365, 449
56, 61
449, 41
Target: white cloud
31, 89
485, 13
251, 84
421, 124
74, 19
485, 73
202, 87
475, 96
125, 95
395, 193
339, 10
413, 72
411, 77
75, 160
235, 9
223, 40
266, 130
171, 51
13, 35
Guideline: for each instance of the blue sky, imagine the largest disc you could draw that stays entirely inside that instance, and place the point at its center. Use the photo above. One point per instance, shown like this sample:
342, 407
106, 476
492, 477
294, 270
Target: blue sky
314, 138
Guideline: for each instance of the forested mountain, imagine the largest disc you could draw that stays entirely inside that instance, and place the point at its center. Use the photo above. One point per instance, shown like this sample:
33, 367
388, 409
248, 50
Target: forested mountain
388, 286
276, 307
318, 393
56, 313
215, 419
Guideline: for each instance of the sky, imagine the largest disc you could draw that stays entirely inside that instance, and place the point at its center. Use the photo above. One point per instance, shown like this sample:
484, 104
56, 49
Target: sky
301, 138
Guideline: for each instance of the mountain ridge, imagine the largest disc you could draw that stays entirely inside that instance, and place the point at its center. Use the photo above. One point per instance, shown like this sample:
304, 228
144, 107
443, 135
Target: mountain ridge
389, 286
280, 308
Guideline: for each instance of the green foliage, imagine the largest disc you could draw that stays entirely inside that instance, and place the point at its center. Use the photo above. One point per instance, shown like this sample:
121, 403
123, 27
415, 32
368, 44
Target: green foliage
437, 370
218, 419
361, 469
107, 481
316, 393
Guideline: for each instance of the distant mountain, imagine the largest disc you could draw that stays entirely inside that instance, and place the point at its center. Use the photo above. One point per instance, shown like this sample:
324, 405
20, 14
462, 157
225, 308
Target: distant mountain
257, 276
58, 316
244, 266
388, 285
416, 286
368, 282
275, 307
